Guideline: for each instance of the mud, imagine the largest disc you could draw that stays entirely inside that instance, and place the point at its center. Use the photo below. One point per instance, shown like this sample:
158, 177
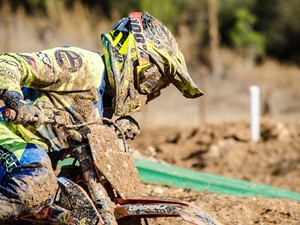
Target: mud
36, 191
226, 149
229, 210
114, 160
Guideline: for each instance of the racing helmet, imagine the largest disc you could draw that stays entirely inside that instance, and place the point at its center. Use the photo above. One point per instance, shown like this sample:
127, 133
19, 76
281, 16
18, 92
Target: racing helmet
142, 57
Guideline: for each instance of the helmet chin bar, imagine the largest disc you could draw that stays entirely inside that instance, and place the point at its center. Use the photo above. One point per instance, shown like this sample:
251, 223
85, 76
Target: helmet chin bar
152, 96
150, 80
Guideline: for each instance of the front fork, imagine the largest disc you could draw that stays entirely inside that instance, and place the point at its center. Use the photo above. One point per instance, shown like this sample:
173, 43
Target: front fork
96, 188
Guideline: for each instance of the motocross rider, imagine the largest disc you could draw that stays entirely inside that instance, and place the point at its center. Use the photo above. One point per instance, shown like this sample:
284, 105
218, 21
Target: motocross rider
140, 57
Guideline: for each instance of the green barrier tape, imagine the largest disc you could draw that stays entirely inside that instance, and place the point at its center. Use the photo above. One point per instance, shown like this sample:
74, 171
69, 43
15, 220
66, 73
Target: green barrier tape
153, 172
158, 173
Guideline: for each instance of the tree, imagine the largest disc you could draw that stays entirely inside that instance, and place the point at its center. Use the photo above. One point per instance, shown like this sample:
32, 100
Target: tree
243, 36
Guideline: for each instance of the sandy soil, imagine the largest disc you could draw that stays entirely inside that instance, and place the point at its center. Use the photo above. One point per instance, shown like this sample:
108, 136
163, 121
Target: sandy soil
225, 149
230, 210
212, 134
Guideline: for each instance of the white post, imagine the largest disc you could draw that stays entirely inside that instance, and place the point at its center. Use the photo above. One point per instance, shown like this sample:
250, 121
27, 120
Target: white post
255, 113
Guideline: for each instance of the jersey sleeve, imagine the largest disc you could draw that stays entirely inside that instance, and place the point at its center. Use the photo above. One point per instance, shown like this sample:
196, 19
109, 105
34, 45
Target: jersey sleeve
62, 69
65, 69
10, 73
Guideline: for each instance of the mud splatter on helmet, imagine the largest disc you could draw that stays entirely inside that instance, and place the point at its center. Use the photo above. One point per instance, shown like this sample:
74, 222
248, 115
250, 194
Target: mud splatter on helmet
142, 57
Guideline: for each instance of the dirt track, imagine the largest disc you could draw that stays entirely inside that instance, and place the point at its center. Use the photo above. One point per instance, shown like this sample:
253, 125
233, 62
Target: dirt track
217, 148
230, 210
225, 149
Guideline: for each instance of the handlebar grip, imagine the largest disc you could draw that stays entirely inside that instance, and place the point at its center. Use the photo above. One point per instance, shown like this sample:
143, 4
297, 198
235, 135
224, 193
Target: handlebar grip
10, 114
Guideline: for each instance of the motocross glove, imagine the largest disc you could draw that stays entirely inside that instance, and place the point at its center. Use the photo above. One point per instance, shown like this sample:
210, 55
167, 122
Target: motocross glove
129, 127
25, 112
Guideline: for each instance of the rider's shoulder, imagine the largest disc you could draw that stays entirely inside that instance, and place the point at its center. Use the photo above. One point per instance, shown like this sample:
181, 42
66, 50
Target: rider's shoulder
72, 49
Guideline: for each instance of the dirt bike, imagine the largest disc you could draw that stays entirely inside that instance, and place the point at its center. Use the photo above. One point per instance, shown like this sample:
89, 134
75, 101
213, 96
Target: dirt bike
102, 184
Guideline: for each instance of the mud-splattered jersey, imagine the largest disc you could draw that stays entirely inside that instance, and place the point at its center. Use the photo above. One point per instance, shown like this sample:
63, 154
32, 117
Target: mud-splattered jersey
66, 78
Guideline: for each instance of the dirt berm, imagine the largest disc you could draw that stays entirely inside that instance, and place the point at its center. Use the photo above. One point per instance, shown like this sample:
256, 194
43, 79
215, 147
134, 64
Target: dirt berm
225, 149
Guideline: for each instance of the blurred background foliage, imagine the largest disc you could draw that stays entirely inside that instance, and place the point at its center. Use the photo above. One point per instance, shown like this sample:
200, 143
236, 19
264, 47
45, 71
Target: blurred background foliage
260, 28
228, 46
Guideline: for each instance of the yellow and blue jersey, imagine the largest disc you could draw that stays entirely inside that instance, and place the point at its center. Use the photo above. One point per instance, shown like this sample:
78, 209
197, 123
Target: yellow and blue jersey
64, 78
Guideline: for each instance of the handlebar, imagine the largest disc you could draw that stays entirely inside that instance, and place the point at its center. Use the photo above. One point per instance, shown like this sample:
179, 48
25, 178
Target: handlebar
10, 114
63, 118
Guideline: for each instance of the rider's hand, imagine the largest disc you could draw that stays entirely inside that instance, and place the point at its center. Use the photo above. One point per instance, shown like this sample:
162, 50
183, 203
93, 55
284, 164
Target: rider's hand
129, 127
26, 113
